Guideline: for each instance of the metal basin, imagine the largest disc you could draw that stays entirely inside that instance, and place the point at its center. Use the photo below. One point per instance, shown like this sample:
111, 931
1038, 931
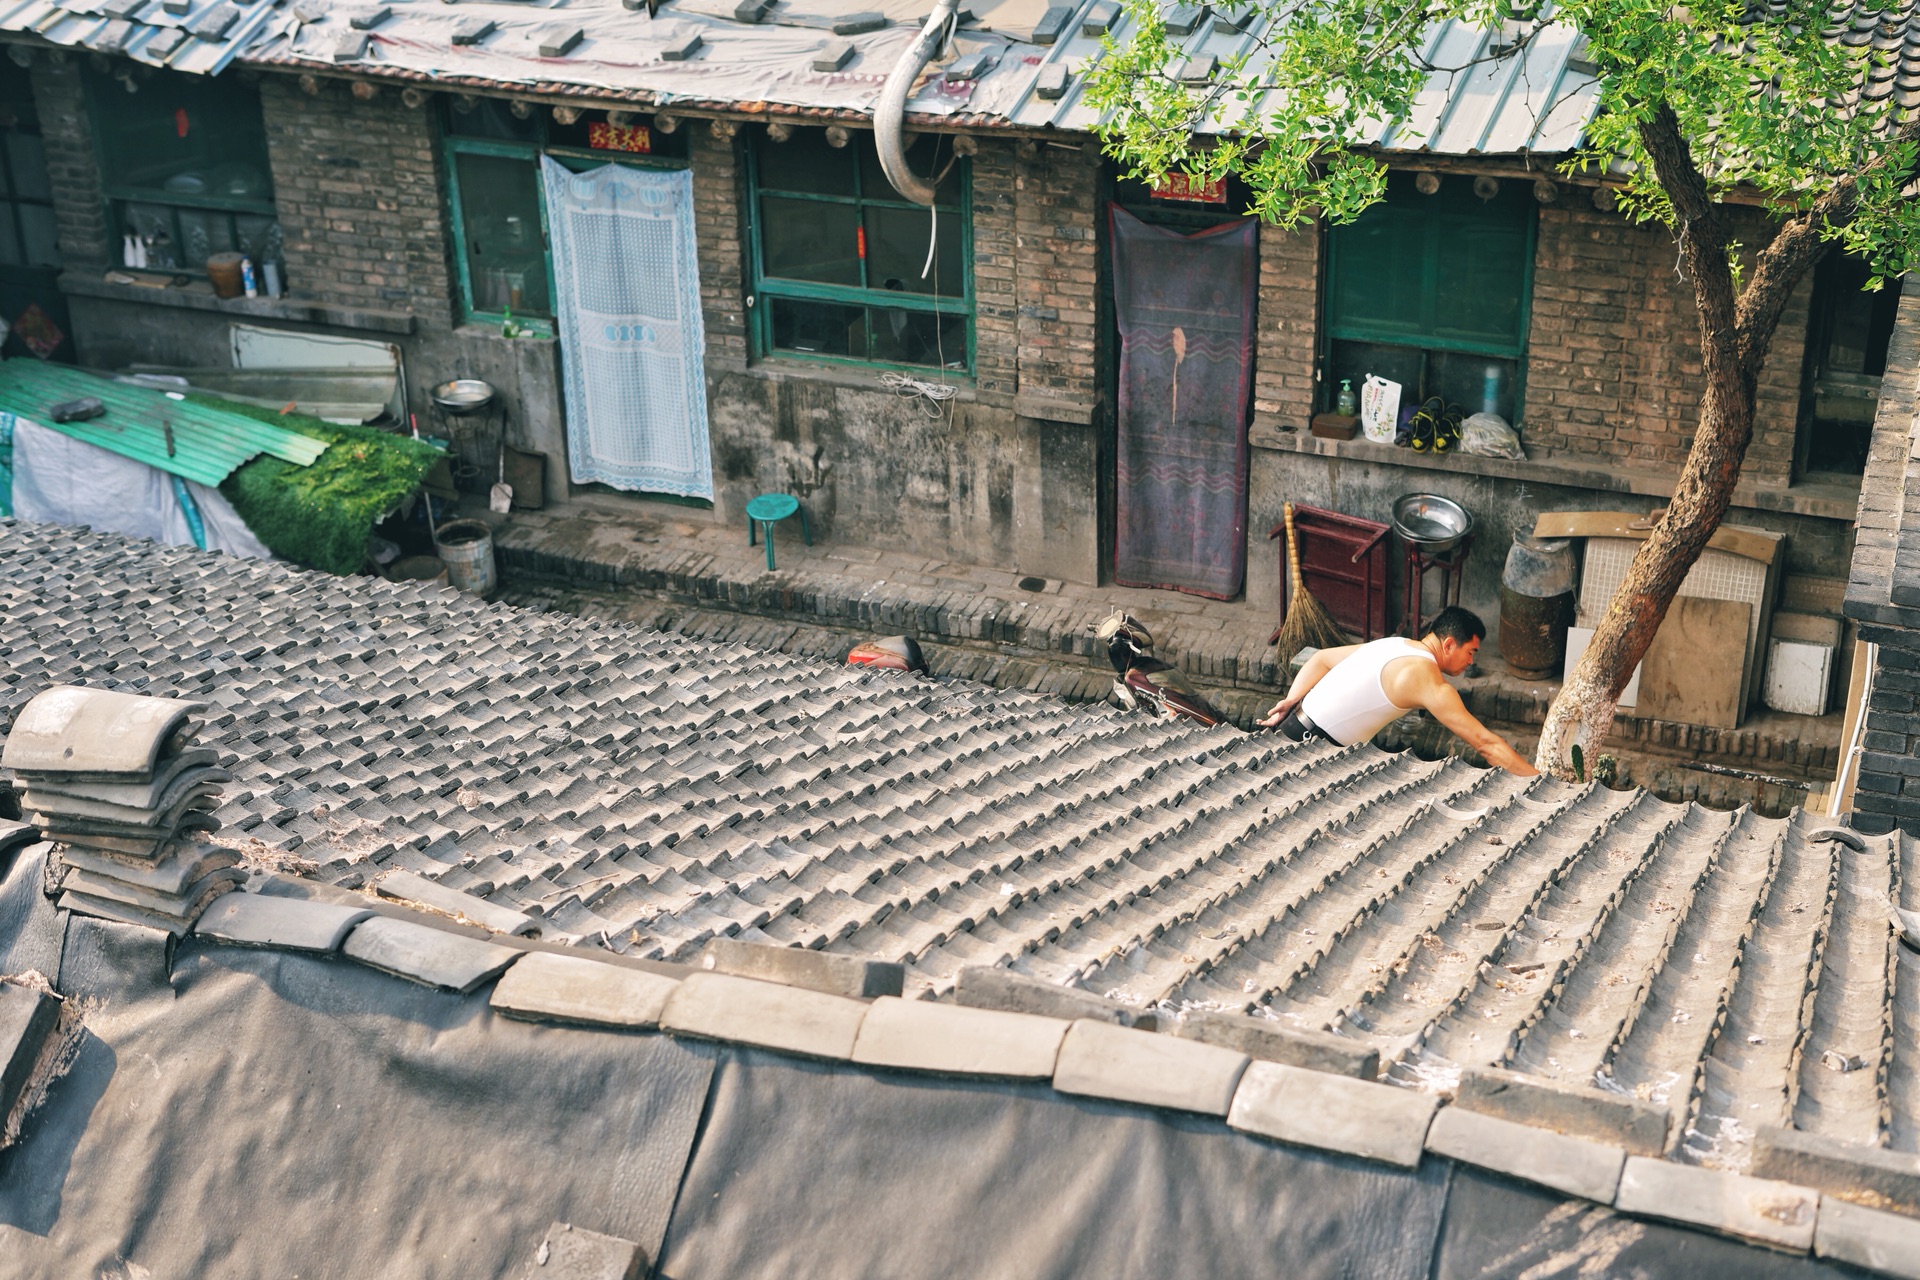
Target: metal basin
1430, 522
463, 396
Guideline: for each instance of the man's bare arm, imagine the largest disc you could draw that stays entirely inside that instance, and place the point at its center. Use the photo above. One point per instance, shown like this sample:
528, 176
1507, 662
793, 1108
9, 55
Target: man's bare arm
1443, 701
1311, 673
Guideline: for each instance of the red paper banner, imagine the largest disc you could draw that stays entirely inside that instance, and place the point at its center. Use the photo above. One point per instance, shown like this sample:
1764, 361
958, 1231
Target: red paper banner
605, 137
1182, 186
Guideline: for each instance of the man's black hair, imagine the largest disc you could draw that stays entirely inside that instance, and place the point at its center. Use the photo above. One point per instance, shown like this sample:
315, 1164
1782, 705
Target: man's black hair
1457, 624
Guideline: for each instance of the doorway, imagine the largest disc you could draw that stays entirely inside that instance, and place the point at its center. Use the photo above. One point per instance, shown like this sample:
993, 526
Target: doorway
1180, 283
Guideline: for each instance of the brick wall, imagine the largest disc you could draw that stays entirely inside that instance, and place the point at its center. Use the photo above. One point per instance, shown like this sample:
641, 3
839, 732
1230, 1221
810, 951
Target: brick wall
1883, 594
719, 231
72, 168
1288, 324
363, 212
1057, 277
1613, 360
996, 263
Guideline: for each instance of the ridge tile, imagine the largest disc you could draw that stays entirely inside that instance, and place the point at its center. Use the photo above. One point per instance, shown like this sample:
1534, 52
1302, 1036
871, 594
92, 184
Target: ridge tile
1572, 1166
1775, 1213
291, 924
547, 987
1101, 1060
719, 1006
431, 957
919, 1035
1335, 1113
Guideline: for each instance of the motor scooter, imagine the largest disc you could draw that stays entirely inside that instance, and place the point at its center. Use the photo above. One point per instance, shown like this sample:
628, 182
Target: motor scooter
1143, 682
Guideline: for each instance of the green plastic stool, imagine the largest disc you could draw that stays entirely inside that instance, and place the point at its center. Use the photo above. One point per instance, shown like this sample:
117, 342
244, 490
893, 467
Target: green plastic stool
769, 509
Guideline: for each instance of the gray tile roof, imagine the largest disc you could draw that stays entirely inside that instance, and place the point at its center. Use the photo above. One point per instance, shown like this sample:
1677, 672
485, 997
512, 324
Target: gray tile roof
1618, 960
1016, 62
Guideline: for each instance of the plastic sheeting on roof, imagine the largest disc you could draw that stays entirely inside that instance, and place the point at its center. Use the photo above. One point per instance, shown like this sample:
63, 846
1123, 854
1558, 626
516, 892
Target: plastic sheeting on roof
180, 437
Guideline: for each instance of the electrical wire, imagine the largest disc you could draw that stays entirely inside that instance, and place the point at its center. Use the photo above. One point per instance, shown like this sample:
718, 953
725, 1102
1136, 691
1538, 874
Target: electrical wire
932, 396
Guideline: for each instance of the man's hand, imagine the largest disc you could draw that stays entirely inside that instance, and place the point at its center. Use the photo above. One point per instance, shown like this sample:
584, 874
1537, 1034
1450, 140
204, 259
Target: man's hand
1280, 711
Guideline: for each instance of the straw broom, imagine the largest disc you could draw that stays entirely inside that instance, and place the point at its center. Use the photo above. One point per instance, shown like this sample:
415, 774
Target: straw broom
1308, 624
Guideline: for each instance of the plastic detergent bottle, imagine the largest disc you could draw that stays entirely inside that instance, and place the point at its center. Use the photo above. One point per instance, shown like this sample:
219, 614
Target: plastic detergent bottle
1346, 403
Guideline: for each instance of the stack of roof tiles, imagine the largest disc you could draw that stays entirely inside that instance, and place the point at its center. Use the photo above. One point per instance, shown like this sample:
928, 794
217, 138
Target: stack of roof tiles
117, 784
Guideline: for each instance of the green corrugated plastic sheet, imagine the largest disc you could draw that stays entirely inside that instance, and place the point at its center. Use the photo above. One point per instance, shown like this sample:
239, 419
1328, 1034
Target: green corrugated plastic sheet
208, 442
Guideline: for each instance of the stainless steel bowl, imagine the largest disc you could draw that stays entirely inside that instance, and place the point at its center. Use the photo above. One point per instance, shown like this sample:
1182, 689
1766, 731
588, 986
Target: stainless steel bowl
1431, 522
463, 396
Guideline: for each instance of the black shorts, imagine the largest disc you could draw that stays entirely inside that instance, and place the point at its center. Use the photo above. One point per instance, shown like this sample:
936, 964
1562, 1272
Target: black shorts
1299, 729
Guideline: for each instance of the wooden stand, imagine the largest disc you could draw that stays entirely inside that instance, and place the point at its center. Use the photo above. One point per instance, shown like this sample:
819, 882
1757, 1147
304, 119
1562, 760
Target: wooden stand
1452, 566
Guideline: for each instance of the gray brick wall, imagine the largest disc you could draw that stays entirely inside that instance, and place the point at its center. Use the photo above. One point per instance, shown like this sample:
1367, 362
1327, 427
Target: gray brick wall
72, 167
1057, 278
996, 264
719, 235
362, 203
1888, 791
1613, 358
1287, 326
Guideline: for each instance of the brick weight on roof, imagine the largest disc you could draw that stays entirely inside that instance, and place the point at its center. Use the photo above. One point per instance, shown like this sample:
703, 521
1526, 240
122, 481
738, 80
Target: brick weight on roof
1699, 976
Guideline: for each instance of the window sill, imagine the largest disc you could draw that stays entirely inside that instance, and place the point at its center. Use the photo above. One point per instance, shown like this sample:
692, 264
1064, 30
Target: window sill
199, 296
776, 369
1828, 497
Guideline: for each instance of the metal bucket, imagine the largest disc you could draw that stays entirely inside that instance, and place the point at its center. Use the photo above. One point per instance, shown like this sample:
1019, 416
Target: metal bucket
1536, 605
1533, 632
418, 569
467, 547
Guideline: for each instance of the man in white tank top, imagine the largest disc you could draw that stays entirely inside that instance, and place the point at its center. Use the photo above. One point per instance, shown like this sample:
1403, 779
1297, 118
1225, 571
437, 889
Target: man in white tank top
1351, 693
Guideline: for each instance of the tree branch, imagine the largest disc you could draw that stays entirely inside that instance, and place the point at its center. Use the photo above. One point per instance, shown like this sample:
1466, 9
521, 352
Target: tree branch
1797, 247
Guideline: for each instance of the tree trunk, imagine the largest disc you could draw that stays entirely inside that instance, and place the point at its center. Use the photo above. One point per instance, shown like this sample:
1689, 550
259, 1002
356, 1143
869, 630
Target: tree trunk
1735, 331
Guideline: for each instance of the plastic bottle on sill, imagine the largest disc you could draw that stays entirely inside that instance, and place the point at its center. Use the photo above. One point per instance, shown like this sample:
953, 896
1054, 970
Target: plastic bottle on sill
1346, 403
249, 282
270, 276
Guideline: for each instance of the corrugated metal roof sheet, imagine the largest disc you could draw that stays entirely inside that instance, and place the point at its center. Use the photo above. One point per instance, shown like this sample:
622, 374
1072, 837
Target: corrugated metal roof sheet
207, 443
1537, 100
1537, 97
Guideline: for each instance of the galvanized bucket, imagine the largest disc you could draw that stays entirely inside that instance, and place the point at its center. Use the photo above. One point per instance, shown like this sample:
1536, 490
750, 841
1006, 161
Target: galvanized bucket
467, 548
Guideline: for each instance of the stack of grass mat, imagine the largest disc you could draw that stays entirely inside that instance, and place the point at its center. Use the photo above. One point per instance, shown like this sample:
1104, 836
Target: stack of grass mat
322, 514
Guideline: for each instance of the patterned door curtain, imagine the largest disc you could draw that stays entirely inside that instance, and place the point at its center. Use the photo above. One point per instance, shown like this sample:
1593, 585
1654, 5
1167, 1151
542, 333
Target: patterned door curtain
1184, 305
631, 340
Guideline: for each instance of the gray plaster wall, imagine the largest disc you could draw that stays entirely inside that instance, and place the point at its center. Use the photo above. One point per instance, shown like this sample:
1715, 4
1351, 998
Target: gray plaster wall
1500, 507
966, 482
110, 334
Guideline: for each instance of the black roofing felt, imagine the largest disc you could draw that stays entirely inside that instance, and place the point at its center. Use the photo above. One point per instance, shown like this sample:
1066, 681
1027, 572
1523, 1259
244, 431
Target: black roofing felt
646, 794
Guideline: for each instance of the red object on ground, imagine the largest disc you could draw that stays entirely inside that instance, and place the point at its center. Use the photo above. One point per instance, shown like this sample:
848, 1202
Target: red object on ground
1343, 563
894, 653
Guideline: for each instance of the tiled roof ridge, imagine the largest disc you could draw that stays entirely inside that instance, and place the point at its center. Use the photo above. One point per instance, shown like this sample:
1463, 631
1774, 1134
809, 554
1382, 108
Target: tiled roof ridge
851, 1012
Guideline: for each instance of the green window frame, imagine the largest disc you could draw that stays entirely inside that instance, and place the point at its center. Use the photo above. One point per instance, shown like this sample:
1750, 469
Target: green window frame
183, 164
837, 255
485, 135
1434, 292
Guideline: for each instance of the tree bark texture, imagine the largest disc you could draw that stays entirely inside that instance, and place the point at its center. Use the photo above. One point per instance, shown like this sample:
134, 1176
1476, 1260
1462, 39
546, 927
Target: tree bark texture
1736, 328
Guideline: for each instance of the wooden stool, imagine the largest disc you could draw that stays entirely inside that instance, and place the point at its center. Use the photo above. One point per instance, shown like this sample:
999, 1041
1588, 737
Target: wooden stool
768, 510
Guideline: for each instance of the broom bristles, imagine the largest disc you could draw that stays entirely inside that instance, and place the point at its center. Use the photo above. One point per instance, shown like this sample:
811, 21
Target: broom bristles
1307, 624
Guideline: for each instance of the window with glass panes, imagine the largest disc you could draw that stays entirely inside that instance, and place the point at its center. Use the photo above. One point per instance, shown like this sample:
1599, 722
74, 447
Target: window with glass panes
184, 162
499, 211
1432, 292
845, 268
